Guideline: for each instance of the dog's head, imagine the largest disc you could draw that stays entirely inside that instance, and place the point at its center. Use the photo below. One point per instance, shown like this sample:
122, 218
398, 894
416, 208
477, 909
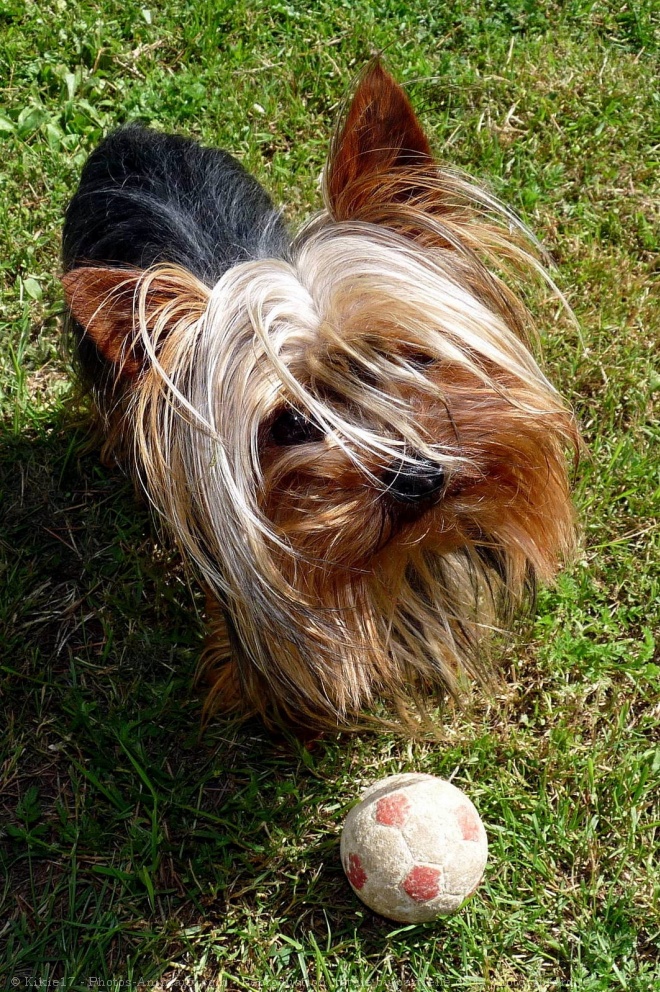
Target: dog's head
354, 444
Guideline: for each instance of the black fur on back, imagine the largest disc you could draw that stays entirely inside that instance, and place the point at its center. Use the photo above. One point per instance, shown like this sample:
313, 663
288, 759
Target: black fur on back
146, 197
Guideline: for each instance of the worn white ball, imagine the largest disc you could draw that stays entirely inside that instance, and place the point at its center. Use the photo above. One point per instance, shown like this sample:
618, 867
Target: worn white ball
414, 847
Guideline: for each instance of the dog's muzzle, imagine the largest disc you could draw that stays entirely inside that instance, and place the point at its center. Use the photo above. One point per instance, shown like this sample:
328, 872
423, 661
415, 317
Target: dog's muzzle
423, 481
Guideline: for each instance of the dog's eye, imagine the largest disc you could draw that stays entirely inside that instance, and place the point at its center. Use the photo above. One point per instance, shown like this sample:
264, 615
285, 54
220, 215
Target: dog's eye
293, 427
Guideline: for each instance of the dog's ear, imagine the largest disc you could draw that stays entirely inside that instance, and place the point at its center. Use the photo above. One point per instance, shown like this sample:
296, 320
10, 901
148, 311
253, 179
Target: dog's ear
111, 304
380, 140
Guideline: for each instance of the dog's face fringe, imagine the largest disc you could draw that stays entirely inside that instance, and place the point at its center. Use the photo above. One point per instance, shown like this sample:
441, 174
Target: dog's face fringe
355, 447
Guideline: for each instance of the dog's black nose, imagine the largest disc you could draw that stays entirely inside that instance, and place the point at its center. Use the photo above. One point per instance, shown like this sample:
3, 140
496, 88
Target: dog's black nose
415, 483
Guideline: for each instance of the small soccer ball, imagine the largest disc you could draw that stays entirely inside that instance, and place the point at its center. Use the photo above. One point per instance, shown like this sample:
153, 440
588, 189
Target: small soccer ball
414, 848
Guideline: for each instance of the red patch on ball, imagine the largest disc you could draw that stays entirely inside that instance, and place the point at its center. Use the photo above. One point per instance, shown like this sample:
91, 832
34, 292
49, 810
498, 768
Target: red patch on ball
422, 883
468, 823
392, 811
355, 873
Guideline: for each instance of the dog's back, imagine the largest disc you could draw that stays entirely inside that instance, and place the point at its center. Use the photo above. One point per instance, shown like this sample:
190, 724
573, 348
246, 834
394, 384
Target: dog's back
146, 198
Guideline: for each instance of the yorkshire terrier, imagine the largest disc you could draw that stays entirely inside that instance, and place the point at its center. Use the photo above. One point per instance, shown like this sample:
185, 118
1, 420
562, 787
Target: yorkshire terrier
344, 431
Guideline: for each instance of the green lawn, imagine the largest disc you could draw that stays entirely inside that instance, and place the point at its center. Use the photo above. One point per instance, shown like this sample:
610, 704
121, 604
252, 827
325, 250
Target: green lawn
137, 849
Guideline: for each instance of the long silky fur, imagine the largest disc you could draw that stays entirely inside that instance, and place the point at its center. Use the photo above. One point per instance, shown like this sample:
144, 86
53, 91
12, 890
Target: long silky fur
328, 611
323, 598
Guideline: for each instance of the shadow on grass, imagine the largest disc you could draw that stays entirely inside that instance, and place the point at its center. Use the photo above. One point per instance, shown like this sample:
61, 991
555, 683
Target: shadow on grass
124, 825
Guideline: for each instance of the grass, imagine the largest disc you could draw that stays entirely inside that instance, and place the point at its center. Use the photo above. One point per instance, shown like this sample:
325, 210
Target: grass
136, 849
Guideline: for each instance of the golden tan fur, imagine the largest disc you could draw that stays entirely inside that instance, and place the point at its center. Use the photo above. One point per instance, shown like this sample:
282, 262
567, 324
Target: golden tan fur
391, 330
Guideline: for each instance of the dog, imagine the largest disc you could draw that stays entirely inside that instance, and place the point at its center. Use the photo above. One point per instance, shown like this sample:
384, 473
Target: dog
344, 431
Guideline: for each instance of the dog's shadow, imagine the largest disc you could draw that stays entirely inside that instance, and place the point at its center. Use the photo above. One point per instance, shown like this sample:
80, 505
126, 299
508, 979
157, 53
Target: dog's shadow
100, 632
